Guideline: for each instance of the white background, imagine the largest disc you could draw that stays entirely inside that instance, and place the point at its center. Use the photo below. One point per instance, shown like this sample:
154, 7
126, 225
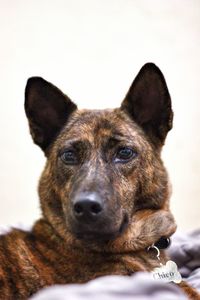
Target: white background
92, 50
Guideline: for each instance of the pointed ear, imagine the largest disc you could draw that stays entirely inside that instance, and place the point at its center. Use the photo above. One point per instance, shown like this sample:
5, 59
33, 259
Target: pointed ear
148, 103
47, 110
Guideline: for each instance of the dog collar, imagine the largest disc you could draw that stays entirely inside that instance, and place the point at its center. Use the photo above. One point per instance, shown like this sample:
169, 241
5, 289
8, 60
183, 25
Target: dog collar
163, 243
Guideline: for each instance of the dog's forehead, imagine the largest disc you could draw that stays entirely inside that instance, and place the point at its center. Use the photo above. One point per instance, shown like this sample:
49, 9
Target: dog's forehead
92, 124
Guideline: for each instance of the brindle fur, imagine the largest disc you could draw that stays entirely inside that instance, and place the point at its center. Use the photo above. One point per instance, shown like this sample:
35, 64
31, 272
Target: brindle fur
135, 194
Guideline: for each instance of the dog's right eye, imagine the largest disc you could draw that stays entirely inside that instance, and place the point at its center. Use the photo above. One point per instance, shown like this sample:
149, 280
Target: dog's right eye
69, 157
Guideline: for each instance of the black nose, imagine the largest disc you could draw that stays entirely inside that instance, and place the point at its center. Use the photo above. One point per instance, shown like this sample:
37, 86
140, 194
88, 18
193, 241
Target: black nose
87, 205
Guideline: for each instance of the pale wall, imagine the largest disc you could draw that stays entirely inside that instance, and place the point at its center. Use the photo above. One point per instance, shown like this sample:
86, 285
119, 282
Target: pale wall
92, 50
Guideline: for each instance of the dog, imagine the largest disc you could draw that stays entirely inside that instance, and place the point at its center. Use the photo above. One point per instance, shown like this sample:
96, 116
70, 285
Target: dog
104, 191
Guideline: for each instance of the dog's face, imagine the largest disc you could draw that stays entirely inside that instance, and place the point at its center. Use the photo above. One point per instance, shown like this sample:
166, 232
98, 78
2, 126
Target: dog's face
102, 165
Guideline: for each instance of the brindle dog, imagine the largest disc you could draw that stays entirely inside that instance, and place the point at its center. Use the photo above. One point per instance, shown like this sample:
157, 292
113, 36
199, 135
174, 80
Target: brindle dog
104, 191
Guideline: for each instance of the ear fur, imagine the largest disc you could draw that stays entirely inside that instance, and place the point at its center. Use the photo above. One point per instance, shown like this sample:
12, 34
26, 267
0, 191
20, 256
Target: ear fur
148, 103
47, 110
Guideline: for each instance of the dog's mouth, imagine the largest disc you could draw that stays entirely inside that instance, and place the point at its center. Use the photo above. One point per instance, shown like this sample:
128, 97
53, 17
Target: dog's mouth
100, 235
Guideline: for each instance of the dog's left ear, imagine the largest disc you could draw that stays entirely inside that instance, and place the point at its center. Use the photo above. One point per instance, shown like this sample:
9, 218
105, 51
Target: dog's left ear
148, 103
47, 110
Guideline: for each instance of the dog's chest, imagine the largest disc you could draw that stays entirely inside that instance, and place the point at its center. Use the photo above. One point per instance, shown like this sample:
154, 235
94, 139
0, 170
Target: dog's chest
82, 268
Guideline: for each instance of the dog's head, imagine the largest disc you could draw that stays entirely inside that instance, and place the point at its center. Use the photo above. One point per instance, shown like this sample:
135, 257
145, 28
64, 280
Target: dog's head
102, 165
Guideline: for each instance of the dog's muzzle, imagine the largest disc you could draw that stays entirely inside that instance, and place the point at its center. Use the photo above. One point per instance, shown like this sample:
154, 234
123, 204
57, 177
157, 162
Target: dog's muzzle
92, 218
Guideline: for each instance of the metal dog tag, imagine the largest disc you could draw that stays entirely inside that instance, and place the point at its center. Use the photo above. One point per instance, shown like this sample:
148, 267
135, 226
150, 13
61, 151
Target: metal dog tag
167, 273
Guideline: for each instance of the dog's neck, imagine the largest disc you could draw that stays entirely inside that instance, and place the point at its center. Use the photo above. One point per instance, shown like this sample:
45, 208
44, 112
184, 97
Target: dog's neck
145, 229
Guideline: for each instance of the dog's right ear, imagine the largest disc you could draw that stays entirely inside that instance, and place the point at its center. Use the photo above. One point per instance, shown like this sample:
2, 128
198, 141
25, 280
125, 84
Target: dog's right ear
47, 110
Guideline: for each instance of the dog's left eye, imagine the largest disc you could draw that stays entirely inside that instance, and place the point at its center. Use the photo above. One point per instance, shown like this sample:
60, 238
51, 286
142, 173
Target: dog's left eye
125, 154
69, 157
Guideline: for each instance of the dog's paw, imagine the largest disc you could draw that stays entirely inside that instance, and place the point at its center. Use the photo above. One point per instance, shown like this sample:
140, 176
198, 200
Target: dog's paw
146, 228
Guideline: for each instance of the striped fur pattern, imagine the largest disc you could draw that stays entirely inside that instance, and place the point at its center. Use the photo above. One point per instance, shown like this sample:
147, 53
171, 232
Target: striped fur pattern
113, 154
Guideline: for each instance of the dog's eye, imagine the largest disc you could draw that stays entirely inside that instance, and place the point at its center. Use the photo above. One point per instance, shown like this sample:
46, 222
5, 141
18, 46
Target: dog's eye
69, 157
125, 154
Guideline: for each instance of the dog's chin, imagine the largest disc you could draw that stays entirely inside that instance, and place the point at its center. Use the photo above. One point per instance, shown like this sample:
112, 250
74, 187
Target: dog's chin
101, 236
